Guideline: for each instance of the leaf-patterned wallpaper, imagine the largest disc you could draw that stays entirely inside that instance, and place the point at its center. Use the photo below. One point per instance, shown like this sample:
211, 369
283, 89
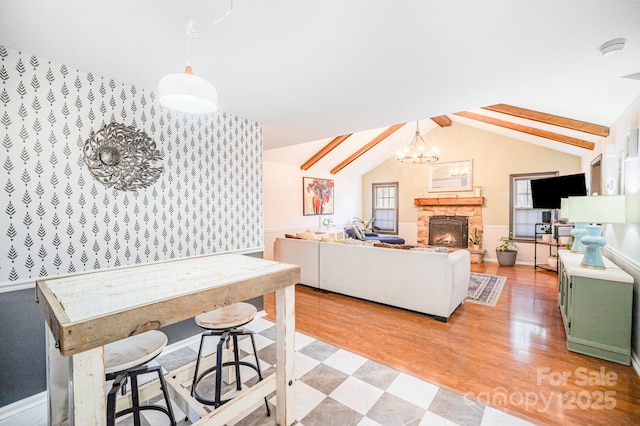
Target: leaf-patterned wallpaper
56, 219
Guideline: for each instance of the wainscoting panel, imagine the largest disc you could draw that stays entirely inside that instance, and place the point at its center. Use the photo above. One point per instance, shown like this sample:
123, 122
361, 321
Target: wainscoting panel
631, 267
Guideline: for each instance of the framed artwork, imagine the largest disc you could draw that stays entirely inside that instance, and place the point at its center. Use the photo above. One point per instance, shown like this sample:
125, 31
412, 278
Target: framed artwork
450, 177
317, 196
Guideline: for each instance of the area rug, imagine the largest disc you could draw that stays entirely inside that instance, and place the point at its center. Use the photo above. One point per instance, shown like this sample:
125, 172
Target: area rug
485, 289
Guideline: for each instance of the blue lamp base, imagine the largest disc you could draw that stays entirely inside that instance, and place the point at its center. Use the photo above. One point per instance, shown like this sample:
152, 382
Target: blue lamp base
578, 232
593, 251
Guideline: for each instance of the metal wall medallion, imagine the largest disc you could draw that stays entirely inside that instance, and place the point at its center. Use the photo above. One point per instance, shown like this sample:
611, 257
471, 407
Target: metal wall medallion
123, 157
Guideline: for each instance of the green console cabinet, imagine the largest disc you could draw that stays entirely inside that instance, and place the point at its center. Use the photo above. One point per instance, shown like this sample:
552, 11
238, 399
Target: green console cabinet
596, 306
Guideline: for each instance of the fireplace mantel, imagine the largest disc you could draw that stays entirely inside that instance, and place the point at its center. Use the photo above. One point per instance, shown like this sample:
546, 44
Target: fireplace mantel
452, 201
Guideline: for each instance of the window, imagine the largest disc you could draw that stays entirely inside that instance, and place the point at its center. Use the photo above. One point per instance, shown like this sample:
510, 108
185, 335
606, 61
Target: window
523, 216
385, 207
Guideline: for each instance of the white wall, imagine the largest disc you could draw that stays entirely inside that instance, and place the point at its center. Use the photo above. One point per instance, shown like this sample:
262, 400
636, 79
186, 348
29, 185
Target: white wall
623, 241
283, 198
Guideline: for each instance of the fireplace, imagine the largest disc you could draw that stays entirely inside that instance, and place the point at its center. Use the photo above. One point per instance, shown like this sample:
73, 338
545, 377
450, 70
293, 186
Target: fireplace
449, 231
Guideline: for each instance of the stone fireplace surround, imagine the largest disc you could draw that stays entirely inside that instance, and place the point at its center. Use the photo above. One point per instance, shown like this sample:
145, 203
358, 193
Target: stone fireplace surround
448, 206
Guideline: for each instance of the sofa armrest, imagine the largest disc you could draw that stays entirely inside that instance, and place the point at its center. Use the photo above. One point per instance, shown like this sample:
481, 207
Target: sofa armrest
460, 263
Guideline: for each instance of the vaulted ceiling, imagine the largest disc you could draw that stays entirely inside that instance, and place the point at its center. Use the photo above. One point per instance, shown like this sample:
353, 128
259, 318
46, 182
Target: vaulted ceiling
314, 71
359, 152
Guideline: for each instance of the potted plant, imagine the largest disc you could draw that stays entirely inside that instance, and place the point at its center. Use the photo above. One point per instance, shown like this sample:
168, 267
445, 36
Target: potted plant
546, 236
507, 251
476, 239
552, 261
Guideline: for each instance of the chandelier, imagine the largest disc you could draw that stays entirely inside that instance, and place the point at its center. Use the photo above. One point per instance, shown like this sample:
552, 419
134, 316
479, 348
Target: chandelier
418, 151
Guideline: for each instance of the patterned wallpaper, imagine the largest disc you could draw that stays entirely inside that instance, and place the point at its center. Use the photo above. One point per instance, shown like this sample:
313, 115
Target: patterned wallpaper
55, 218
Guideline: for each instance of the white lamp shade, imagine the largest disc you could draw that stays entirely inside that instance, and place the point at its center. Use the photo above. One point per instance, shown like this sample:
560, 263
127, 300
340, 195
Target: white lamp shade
597, 209
187, 92
564, 208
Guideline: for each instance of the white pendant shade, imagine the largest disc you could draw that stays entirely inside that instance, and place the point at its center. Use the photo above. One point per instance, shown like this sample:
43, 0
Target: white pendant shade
186, 92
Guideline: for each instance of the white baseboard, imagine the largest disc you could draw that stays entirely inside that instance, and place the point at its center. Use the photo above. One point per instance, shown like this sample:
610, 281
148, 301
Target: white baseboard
23, 406
635, 362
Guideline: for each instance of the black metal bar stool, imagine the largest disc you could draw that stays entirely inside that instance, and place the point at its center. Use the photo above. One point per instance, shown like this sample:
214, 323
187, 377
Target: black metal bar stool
128, 358
226, 323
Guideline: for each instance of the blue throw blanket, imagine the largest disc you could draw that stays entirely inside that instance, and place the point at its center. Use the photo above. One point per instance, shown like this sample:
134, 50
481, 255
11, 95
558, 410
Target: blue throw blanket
368, 236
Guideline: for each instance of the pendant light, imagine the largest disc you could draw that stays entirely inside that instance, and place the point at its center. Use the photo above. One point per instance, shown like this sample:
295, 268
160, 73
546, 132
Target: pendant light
185, 91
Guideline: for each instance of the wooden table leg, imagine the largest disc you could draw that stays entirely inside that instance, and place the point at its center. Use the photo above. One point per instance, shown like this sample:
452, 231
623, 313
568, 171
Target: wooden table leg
285, 353
57, 383
89, 388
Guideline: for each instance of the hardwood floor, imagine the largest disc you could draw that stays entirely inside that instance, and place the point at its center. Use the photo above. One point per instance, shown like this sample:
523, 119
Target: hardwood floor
512, 356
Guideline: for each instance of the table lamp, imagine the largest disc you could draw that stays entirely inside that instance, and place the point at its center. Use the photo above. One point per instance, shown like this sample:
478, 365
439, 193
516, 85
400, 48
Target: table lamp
579, 229
596, 210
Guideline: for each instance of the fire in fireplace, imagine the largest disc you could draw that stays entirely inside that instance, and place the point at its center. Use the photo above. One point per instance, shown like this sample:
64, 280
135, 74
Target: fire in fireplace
449, 231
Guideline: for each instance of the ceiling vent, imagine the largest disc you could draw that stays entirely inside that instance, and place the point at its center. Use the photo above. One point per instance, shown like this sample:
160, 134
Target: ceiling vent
612, 46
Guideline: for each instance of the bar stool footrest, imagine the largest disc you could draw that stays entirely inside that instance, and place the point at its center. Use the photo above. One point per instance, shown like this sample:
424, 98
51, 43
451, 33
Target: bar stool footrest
208, 371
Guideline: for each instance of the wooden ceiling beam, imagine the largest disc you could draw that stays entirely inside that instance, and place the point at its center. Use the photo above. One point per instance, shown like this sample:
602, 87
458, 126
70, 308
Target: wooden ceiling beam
529, 130
375, 141
442, 120
324, 151
554, 120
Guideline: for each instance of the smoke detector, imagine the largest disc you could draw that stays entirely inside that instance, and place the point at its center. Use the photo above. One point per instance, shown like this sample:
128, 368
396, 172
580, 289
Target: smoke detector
612, 46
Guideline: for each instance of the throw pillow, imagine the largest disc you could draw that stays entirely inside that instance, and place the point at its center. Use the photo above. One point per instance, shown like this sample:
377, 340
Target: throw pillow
359, 233
306, 235
349, 232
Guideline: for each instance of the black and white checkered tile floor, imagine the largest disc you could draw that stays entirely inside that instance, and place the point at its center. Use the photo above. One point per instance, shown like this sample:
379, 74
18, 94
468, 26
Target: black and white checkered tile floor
334, 387
337, 387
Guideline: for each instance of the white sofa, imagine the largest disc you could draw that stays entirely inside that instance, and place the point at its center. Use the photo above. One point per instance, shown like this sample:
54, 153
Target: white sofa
428, 282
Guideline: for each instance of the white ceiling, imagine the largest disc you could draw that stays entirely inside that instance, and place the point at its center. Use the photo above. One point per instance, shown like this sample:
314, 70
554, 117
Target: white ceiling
310, 71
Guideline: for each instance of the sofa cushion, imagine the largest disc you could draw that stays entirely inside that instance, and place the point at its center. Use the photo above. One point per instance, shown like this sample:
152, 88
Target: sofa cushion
394, 246
431, 249
389, 239
359, 233
350, 233
306, 235
353, 241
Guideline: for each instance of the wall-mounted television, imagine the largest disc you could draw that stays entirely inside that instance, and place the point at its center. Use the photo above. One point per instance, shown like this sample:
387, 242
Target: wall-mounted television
546, 193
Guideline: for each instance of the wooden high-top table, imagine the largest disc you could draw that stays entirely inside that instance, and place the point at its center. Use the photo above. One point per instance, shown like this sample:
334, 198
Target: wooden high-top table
86, 311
